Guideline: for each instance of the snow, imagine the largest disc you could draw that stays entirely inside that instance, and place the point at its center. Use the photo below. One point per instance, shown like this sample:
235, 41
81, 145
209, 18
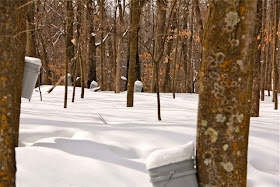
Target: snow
74, 147
170, 155
124, 78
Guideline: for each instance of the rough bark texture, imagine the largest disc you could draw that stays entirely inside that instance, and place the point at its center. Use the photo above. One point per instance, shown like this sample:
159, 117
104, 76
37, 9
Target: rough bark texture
119, 48
263, 64
11, 65
189, 86
19, 66
274, 61
68, 46
102, 45
159, 42
91, 47
31, 47
135, 19
257, 62
225, 93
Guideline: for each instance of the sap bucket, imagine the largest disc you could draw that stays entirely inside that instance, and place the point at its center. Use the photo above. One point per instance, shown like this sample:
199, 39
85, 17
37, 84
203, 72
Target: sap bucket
173, 167
138, 85
31, 71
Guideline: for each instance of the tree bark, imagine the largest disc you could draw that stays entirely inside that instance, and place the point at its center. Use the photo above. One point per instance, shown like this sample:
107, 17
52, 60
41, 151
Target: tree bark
257, 62
225, 93
91, 47
19, 66
31, 47
135, 19
102, 45
264, 46
274, 61
119, 48
12, 38
68, 45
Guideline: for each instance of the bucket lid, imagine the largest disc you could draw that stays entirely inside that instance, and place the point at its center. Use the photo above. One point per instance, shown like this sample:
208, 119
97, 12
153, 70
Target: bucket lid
33, 60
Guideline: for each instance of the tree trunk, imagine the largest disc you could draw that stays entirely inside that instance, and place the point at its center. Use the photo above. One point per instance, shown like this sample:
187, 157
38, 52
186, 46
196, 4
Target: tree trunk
190, 56
91, 47
68, 45
102, 46
135, 19
119, 48
264, 46
11, 74
225, 93
274, 61
257, 62
176, 52
31, 47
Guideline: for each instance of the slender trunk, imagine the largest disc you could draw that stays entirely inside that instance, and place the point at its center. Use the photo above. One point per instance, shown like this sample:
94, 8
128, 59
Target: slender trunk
190, 55
135, 19
255, 105
68, 45
31, 47
91, 47
264, 46
74, 80
119, 48
274, 61
200, 33
176, 52
102, 46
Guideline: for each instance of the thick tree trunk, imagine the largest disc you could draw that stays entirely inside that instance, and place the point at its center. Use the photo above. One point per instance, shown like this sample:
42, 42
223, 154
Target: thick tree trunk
257, 62
225, 93
11, 23
135, 19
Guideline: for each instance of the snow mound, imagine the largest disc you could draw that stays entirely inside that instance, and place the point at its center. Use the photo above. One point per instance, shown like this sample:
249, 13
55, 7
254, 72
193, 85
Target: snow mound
171, 155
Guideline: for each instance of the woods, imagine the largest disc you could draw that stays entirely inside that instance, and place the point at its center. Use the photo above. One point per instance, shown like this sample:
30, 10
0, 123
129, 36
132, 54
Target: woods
224, 52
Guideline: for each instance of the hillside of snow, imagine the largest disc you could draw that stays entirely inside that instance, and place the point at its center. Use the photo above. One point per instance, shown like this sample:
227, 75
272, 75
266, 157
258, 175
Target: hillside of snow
99, 142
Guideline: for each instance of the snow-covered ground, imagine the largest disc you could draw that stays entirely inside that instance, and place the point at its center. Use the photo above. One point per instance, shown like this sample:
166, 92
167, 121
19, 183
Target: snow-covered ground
74, 147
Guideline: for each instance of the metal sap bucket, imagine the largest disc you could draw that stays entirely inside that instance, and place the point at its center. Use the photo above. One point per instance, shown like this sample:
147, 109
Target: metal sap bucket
138, 85
31, 71
180, 174
173, 167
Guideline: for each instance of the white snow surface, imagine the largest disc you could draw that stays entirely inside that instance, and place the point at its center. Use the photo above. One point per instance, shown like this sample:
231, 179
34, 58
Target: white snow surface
73, 147
170, 155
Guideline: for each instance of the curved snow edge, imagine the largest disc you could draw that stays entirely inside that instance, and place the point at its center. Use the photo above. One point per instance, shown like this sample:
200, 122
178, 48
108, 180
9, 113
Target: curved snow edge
171, 155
